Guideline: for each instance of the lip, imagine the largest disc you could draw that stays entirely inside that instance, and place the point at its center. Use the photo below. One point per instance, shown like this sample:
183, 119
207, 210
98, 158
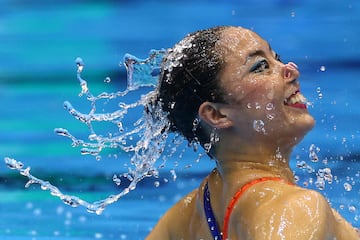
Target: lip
297, 104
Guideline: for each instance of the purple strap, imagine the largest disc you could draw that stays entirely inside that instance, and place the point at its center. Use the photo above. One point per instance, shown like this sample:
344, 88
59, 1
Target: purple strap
210, 215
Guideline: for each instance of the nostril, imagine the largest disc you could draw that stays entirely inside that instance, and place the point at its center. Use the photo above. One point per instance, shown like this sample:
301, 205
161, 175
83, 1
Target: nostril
290, 71
287, 72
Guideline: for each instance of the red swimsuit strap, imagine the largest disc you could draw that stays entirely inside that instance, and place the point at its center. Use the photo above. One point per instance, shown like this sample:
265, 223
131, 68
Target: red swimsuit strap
238, 194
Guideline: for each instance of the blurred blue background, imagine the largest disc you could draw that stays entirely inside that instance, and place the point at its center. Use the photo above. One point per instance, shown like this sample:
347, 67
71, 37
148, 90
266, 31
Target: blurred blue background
39, 41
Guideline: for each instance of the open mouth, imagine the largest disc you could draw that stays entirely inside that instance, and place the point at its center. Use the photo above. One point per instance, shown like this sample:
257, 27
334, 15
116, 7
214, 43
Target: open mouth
296, 100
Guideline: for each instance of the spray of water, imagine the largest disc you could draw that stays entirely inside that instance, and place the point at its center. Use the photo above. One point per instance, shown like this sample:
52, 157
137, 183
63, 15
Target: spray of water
152, 127
150, 130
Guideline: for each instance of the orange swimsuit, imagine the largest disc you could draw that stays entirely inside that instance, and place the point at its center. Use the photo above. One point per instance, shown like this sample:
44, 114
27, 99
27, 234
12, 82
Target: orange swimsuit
210, 215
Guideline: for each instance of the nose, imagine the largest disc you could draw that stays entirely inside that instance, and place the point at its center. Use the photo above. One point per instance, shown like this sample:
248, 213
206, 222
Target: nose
290, 72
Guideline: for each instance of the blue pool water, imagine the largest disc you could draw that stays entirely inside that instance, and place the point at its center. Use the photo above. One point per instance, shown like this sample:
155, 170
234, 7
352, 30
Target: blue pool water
38, 45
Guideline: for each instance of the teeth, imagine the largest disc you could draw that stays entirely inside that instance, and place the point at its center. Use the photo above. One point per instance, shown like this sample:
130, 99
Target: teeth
296, 98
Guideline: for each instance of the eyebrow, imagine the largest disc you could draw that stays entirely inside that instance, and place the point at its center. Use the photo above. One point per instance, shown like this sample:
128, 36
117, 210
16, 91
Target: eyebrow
257, 53
260, 52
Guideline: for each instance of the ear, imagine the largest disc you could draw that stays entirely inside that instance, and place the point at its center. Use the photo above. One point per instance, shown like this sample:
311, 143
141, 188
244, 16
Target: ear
211, 113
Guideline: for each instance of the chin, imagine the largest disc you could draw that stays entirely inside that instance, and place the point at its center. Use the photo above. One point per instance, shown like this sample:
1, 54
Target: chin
299, 121
307, 123
290, 134
300, 129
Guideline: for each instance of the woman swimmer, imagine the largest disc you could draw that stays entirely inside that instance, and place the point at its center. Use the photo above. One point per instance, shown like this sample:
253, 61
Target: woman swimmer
227, 89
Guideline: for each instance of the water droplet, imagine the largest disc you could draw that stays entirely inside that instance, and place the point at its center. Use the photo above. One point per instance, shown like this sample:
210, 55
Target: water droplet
310, 169
12, 163
62, 132
196, 123
323, 176
270, 116
173, 174
80, 64
313, 150
269, 106
79, 61
352, 208
278, 154
207, 147
320, 184
347, 187
301, 164
318, 90
172, 105
296, 178
258, 126
107, 80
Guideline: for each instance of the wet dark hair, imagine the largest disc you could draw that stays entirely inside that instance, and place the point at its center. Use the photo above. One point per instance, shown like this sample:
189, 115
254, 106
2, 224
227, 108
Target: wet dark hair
190, 76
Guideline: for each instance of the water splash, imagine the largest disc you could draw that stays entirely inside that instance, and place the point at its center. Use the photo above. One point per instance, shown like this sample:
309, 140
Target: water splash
73, 201
145, 141
145, 72
140, 73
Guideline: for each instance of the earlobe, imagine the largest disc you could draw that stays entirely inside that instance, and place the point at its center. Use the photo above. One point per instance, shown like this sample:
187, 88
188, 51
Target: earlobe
212, 115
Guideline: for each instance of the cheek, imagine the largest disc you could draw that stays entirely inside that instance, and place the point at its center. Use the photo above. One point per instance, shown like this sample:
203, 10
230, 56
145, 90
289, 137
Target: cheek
261, 94
236, 87
270, 90
266, 106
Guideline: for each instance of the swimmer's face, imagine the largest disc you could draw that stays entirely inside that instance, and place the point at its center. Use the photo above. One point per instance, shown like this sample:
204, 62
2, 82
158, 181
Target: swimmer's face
263, 93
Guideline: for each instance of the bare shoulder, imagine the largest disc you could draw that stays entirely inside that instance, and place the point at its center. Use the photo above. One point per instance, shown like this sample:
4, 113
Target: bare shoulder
326, 221
343, 229
171, 222
289, 212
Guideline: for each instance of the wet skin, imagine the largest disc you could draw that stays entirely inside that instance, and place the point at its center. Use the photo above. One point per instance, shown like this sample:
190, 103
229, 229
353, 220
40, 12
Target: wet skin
258, 87
258, 84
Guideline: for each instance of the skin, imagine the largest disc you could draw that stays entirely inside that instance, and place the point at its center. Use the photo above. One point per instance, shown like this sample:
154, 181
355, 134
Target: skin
267, 210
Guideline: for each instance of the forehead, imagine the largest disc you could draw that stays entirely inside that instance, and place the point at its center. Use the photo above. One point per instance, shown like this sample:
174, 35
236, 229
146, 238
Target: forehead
238, 46
239, 42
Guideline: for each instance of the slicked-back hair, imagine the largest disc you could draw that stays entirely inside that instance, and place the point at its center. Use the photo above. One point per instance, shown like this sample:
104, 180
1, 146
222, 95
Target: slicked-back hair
190, 76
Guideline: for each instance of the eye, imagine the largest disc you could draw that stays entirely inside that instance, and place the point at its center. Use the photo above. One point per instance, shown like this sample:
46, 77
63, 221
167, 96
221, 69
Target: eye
277, 57
259, 66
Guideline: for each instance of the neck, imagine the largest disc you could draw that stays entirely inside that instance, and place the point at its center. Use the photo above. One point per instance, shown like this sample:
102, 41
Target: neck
233, 166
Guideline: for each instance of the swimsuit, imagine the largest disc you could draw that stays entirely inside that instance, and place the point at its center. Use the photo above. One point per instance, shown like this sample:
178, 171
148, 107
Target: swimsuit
218, 235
